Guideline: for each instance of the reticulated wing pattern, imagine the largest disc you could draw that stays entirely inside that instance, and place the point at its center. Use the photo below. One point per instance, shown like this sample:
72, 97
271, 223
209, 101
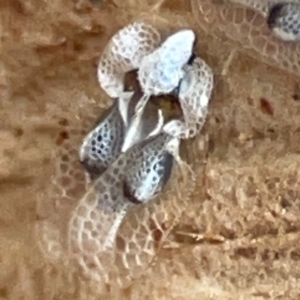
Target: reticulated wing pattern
123, 53
146, 228
152, 168
194, 95
161, 71
260, 6
102, 145
95, 221
115, 255
269, 264
138, 239
97, 217
247, 30
68, 182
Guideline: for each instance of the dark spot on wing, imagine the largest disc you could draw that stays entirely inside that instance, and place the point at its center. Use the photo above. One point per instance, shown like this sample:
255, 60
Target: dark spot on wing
128, 194
275, 12
168, 165
92, 168
190, 62
192, 58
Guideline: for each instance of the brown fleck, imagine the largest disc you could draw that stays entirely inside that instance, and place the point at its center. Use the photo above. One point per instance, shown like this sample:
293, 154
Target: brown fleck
131, 82
211, 145
18, 132
296, 94
157, 235
248, 252
63, 122
266, 107
3, 293
62, 136
295, 255
285, 203
18, 6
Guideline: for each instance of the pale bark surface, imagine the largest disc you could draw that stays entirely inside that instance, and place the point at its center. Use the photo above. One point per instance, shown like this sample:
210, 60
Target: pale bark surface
233, 236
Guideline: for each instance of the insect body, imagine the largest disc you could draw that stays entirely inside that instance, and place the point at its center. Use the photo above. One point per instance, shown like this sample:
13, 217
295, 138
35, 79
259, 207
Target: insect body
102, 145
135, 177
160, 72
150, 168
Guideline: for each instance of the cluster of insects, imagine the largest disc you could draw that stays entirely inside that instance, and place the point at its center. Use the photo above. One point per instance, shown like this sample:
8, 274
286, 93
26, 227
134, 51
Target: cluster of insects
160, 92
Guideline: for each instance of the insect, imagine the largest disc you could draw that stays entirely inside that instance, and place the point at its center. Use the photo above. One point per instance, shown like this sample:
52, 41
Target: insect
117, 61
151, 165
137, 176
102, 145
193, 94
174, 68
130, 161
284, 20
161, 71
124, 52
105, 141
